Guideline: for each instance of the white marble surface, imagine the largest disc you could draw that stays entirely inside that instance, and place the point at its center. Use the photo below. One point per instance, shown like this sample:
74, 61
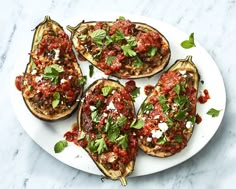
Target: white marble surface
23, 164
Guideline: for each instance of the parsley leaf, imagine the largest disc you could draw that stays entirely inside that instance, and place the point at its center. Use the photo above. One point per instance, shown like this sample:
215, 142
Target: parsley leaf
121, 121
52, 72
135, 93
178, 138
101, 145
181, 115
131, 41
91, 70
162, 100
152, 51
128, 50
187, 44
83, 80
110, 59
137, 62
95, 117
123, 141
98, 36
106, 90
137, 124
56, 99
177, 89
113, 132
147, 107
91, 146
82, 37
60, 146
213, 112
121, 18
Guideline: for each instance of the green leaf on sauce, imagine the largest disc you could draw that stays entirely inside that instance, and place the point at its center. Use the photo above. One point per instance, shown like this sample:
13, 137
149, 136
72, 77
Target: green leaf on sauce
137, 62
121, 18
95, 117
92, 147
110, 59
152, 51
137, 124
213, 112
131, 41
162, 100
101, 146
147, 107
123, 141
135, 93
60, 146
187, 44
91, 70
181, 115
177, 89
108, 40
169, 121
106, 90
178, 138
192, 119
82, 37
56, 99
127, 49
52, 72
108, 124
83, 80
162, 140
113, 132
121, 121
98, 35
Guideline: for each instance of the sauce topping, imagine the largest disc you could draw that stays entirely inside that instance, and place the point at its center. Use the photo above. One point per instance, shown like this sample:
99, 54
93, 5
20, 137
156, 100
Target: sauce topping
148, 89
204, 98
18, 82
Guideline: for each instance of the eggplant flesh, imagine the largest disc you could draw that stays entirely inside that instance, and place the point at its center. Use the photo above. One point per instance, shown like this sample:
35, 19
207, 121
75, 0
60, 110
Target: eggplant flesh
127, 70
162, 147
33, 94
124, 169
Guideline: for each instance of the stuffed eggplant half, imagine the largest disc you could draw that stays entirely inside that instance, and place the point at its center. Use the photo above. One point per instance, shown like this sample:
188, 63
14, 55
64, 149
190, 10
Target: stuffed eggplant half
122, 48
169, 112
50, 85
104, 120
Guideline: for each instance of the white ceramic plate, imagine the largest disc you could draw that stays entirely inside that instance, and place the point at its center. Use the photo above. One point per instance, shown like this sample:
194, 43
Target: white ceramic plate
47, 134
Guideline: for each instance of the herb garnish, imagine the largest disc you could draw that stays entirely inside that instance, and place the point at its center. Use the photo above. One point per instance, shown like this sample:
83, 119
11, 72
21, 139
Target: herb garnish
91, 70
213, 112
106, 90
56, 99
60, 146
52, 72
187, 44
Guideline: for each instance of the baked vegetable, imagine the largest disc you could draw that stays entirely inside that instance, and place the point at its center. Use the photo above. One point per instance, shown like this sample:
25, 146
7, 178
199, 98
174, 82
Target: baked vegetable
122, 48
104, 120
168, 114
50, 85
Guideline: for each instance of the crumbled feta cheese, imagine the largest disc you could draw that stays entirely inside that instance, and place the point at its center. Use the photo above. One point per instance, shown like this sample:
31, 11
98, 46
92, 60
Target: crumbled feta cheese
70, 77
92, 108
157, 117
63, 80
163, 127
143, 118
141, 137
38, 78
189, 124
111, 106
182, 72
38, 91
104, 114
57, 52
156, 133
149, 139
34, 72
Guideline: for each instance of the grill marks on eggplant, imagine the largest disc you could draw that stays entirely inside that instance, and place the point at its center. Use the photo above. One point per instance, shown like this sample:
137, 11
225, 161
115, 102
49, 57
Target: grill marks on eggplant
104, 118
122, 48
169, 112
50, 85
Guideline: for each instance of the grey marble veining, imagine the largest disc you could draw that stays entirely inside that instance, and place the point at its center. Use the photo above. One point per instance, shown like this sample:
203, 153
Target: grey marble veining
23, 164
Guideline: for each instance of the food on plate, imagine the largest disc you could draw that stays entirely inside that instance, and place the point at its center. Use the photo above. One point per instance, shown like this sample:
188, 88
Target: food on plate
168, 114
50, 85
105, 116
122, 48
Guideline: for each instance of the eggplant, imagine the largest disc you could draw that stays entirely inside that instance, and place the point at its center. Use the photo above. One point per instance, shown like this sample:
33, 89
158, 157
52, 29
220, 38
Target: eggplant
104, 118
169, 112
50, 85
123, 49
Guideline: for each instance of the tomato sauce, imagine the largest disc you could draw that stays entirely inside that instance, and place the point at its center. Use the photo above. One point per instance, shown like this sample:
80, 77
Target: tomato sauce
198, 119
130, 86
204, 98
18, 82
148, 89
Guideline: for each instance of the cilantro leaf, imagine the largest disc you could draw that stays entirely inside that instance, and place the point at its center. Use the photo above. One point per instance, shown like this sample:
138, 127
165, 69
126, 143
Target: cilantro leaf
95, 117
83, 80
123, 141
187, 44
131, 41
147, 107
152, 51
127, 49
178, 138
137, 62
113, 132
101, 145
106, 90
56, 99
60, 146
52, 72
91, 146
91, 70
137, 124
177, 89
162, 100
213, 112
135, 93
121, 121
110, 59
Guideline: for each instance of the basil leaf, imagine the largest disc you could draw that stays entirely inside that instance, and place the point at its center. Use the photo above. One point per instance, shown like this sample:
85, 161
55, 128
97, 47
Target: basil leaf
83, 80
137, 125
152, 51
56, 99
213, 112
187, 44
60, 146
123, 141
91, 70
137, 62
98, 35
128, 51
110, 59
135, 93
106, 90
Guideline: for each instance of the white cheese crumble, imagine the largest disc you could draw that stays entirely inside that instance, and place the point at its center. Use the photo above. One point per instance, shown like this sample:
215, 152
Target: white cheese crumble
149, 139
63, 80
38, 78
34, 72
104, 114
189, 124
70, 77
92, 108
157, 117
111, 106
182, 72
156, 133
163, 127
57, 52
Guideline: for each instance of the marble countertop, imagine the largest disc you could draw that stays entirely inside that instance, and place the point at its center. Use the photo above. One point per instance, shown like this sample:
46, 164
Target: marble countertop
24, 164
